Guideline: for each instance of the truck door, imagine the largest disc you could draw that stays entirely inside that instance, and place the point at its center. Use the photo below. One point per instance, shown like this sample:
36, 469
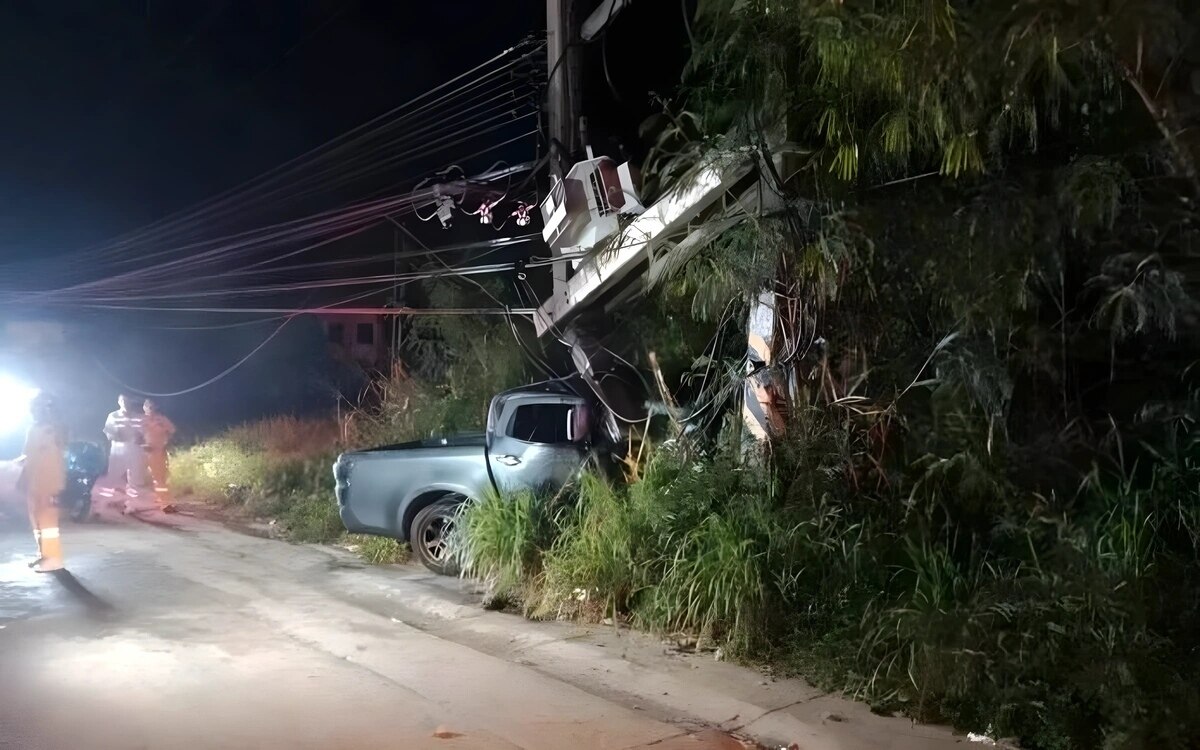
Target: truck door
537, 441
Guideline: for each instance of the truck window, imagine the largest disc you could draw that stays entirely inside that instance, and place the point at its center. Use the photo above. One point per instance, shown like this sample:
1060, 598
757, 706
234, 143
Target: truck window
540, 423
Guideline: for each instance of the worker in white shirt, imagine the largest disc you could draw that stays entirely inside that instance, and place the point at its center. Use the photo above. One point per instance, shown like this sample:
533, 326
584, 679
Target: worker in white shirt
127, 456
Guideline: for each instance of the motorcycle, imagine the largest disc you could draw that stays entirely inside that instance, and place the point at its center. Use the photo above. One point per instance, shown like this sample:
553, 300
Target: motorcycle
86, 462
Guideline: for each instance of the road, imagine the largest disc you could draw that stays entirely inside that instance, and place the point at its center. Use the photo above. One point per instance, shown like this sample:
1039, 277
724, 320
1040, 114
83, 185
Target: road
181, 633
203, 638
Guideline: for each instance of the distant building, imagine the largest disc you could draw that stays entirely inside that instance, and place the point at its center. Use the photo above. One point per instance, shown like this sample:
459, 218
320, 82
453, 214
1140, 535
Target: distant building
360, 339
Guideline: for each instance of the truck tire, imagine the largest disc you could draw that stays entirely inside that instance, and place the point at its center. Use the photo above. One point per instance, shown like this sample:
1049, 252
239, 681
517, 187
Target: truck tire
429, 536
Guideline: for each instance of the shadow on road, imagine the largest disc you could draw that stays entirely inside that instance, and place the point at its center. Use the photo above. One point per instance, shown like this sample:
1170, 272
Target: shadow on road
95, 605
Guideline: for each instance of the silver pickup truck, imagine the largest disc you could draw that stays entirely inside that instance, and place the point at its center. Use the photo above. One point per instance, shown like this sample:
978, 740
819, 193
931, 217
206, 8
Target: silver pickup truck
537, 437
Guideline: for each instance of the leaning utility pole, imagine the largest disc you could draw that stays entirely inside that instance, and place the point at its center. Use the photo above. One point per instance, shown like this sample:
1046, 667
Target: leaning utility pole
563, 97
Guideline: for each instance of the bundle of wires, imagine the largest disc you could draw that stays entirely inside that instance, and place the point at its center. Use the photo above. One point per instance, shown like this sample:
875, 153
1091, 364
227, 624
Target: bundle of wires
221, 246
243, 244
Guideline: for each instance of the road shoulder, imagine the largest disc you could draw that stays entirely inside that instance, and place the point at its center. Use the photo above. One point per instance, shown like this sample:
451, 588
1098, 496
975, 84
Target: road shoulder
632, 668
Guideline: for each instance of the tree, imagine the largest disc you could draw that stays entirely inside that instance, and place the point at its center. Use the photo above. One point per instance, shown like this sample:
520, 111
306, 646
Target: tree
982, 262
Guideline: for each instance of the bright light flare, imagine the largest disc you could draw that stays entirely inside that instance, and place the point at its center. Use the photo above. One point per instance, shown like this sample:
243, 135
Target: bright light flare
15, 399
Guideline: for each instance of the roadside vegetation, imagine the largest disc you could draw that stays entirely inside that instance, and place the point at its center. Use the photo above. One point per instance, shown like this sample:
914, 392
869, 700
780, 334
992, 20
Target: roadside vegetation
275, 469
980, 500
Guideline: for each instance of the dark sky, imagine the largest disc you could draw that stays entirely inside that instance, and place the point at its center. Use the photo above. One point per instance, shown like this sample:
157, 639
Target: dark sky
121, 111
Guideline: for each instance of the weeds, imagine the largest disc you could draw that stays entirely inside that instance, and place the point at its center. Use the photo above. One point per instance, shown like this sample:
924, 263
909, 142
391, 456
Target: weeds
277, 468
592, 565
311, 517
1057, 632
378, 550
503, 539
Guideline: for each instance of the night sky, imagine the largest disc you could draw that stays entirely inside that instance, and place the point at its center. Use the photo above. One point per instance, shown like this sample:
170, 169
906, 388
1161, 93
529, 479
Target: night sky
119, 112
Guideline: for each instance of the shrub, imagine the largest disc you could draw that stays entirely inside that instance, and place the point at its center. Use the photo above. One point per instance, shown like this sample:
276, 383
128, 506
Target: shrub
591, 566
210, 470
503, 539
311, 517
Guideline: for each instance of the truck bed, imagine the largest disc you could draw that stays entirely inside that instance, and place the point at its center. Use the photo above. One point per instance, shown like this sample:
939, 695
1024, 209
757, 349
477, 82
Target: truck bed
377, 488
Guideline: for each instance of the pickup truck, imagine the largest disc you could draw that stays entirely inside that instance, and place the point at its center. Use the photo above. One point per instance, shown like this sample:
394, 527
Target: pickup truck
537, 437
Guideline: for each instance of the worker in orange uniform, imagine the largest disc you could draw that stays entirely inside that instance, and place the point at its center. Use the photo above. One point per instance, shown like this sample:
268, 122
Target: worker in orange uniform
158, 431
43, 477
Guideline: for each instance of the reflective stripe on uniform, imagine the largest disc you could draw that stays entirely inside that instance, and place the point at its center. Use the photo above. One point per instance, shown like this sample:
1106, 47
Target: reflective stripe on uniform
50, 533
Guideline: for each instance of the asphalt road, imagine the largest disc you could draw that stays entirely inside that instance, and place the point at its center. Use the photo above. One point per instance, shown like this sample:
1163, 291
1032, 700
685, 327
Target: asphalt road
199, 637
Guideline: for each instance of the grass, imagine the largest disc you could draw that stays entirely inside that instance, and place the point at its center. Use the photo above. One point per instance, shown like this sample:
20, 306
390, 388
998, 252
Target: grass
503, 539
1064, 631
215, 470
255, 457
377, 550
277, 468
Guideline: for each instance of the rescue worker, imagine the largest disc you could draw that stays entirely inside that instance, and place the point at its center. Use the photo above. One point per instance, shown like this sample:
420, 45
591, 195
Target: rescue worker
43, 477
158, 431
127, 457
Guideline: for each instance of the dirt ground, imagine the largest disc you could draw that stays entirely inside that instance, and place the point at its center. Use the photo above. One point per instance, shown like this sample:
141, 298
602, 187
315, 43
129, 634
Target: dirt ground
179, 633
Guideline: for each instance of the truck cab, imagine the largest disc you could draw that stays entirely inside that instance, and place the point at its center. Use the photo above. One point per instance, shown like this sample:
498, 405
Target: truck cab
536, 439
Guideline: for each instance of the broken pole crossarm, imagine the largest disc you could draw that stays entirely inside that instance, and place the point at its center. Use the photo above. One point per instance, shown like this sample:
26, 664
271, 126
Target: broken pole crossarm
670, 215
601, 17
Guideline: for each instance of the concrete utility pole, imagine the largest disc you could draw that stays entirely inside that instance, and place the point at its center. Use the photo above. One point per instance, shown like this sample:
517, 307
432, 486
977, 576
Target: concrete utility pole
398, 243
563, 98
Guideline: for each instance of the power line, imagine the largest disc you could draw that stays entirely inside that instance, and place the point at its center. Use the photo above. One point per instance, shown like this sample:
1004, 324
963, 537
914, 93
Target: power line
340, 141
430, 112
206, 383
293, 311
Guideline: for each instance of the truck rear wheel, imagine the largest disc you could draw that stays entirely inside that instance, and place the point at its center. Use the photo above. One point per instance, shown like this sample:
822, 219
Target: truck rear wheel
431, 535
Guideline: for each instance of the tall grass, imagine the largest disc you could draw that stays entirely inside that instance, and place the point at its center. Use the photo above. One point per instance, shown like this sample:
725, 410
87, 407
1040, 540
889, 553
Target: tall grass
257, 456
592, 566
1068, 631
502, 539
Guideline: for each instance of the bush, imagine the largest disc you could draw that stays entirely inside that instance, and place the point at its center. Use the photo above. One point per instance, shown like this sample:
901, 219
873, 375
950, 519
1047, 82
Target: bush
214, 469
1066, 633
311, 517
